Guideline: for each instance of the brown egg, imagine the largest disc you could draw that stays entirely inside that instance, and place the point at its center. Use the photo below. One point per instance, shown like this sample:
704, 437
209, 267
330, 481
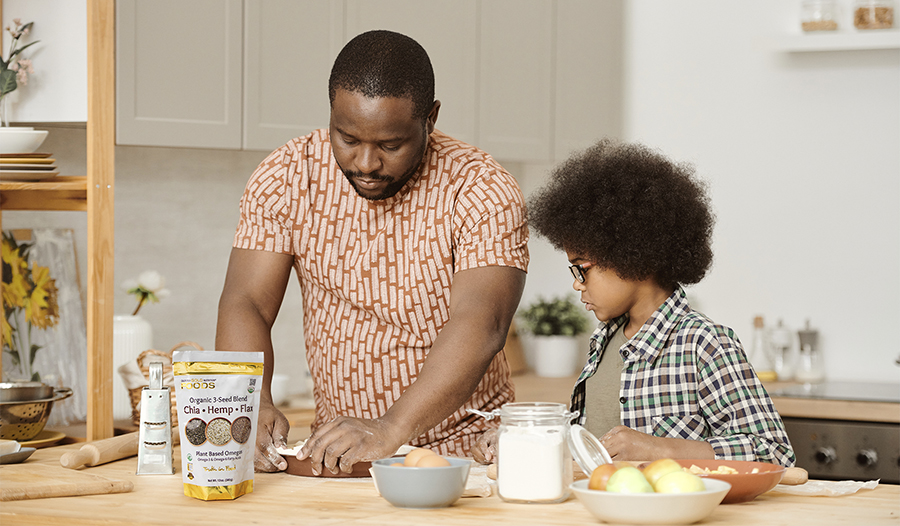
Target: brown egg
413, 457
432, 461
397, 465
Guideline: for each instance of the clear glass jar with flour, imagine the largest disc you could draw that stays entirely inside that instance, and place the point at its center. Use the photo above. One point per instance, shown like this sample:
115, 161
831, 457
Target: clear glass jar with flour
534, 464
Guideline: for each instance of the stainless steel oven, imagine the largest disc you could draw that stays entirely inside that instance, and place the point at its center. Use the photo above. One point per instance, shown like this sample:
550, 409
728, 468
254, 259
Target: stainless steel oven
844, 448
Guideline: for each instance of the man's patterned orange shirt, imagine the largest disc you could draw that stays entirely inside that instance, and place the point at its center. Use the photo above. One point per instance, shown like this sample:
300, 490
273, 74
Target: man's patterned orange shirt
375, 275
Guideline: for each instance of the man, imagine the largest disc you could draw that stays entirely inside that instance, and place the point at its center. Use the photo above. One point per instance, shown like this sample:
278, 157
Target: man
411, 251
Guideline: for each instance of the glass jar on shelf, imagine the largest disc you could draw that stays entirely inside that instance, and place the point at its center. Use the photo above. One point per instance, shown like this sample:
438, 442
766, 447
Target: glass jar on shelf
873, 14
818, 15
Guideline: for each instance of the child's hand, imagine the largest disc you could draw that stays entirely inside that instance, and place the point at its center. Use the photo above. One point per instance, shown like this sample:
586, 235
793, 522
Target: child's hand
624, 443
485, 449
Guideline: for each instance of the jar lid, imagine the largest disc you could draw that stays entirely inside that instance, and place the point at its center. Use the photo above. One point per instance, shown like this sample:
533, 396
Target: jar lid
587, 450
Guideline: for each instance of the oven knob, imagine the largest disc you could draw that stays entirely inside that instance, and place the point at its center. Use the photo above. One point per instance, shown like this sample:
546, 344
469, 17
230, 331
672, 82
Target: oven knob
825, 455
867, 457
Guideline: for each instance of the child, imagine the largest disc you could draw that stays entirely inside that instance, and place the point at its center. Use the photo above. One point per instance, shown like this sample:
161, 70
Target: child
661, 380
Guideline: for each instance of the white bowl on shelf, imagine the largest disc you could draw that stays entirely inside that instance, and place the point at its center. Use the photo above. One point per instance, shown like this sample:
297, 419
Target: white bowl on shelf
20, 140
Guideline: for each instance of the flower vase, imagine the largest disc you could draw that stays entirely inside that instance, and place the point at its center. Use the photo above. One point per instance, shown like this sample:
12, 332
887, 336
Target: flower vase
132, 335
556, 356
4, 111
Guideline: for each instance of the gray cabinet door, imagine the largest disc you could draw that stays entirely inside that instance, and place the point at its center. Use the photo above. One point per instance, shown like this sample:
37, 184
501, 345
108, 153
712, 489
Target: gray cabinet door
178, 73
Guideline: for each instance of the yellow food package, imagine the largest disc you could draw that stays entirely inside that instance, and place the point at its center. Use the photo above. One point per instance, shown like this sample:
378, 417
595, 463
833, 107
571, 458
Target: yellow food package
217, 394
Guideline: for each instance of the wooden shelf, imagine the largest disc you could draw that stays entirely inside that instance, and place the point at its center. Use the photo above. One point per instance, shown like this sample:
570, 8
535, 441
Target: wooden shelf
94, 194
59, 193
848, 40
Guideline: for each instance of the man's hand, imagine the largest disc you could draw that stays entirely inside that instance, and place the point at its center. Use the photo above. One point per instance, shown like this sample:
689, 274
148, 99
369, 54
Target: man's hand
485, 450
272, 430
624, 443
345, 441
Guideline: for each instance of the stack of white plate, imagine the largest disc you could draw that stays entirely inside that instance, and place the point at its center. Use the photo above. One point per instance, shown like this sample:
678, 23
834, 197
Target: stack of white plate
27, 166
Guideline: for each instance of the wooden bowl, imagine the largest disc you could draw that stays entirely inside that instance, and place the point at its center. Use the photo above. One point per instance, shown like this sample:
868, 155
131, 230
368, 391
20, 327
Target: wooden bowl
745, 485
303, 468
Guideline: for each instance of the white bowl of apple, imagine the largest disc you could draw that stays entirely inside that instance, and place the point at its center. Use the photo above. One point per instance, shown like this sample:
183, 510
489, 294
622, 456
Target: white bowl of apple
662, 493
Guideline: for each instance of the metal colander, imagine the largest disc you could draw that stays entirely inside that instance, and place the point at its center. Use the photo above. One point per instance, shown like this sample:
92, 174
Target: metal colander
22, 419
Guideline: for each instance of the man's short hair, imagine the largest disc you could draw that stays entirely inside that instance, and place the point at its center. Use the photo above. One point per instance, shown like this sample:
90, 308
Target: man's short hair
385, 64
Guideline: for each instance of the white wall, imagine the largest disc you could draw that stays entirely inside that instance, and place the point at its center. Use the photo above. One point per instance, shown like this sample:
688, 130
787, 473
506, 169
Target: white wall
802, 151
41, 99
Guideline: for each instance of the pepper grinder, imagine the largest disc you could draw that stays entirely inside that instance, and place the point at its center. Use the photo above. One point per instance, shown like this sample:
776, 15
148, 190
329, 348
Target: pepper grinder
810, 369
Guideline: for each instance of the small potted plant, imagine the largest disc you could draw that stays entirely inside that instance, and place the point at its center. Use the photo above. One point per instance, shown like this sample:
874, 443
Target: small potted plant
555, 324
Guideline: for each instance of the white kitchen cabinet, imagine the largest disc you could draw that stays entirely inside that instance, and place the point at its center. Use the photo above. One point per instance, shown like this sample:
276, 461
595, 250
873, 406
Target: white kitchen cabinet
525, 80
179, 74
290, 47
588, 90
516, 79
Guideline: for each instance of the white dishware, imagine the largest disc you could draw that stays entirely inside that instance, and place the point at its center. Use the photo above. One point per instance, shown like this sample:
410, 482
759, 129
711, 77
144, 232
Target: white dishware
652, 508
20, 139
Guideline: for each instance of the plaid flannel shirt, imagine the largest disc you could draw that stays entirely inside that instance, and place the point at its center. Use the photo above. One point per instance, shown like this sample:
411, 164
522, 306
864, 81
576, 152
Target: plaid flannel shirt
687, 377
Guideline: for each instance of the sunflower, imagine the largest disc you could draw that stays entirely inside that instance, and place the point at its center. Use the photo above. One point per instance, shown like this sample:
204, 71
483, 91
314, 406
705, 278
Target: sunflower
30, 296
42, 310
7, 333
15, 275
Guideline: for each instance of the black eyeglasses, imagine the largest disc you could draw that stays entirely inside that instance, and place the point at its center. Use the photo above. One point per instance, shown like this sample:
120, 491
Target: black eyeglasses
578, 271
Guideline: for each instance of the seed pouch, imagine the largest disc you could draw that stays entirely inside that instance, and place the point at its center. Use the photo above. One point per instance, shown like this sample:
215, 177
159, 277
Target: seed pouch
217, 394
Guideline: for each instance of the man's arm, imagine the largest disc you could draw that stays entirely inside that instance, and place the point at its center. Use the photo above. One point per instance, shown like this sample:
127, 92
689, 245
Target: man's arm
482, 304
254, 288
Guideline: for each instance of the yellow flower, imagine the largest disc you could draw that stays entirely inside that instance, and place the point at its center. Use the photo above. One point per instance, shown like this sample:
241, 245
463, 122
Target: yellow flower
42, 310
7, 332
15, 291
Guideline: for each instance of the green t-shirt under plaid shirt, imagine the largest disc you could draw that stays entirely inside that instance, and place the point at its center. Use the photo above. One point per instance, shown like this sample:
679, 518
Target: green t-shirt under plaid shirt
687, 377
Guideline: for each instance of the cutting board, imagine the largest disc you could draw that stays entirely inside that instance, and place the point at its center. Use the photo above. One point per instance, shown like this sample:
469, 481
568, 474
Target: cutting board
38, 481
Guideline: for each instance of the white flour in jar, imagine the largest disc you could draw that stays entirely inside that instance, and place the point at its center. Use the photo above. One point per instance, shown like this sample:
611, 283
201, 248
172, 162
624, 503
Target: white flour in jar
532, 463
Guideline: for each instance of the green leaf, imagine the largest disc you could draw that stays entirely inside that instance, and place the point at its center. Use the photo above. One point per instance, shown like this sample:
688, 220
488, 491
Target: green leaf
36, 377
7, 81
34, 349
14, 354
558, 316
23, 48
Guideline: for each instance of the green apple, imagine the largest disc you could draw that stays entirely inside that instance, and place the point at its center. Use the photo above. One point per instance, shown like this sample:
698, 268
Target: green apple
656, 469
628, 480
679, 482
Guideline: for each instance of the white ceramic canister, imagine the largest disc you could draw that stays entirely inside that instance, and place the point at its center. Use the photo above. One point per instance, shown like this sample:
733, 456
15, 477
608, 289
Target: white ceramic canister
534, 464
132, 335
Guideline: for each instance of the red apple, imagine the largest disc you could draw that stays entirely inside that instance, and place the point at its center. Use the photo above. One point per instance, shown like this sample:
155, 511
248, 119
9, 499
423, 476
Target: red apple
600, 476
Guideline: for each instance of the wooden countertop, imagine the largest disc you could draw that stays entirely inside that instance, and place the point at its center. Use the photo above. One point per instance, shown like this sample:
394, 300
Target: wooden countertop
285, 499
801, 407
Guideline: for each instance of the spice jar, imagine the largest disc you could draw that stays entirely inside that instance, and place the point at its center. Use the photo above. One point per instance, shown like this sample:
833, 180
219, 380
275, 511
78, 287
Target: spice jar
534, 464
818, 15
873, 14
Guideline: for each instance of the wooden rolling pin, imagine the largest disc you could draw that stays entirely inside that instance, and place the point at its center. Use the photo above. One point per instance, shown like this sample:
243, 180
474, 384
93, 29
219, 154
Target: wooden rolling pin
107, 450
794, 476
